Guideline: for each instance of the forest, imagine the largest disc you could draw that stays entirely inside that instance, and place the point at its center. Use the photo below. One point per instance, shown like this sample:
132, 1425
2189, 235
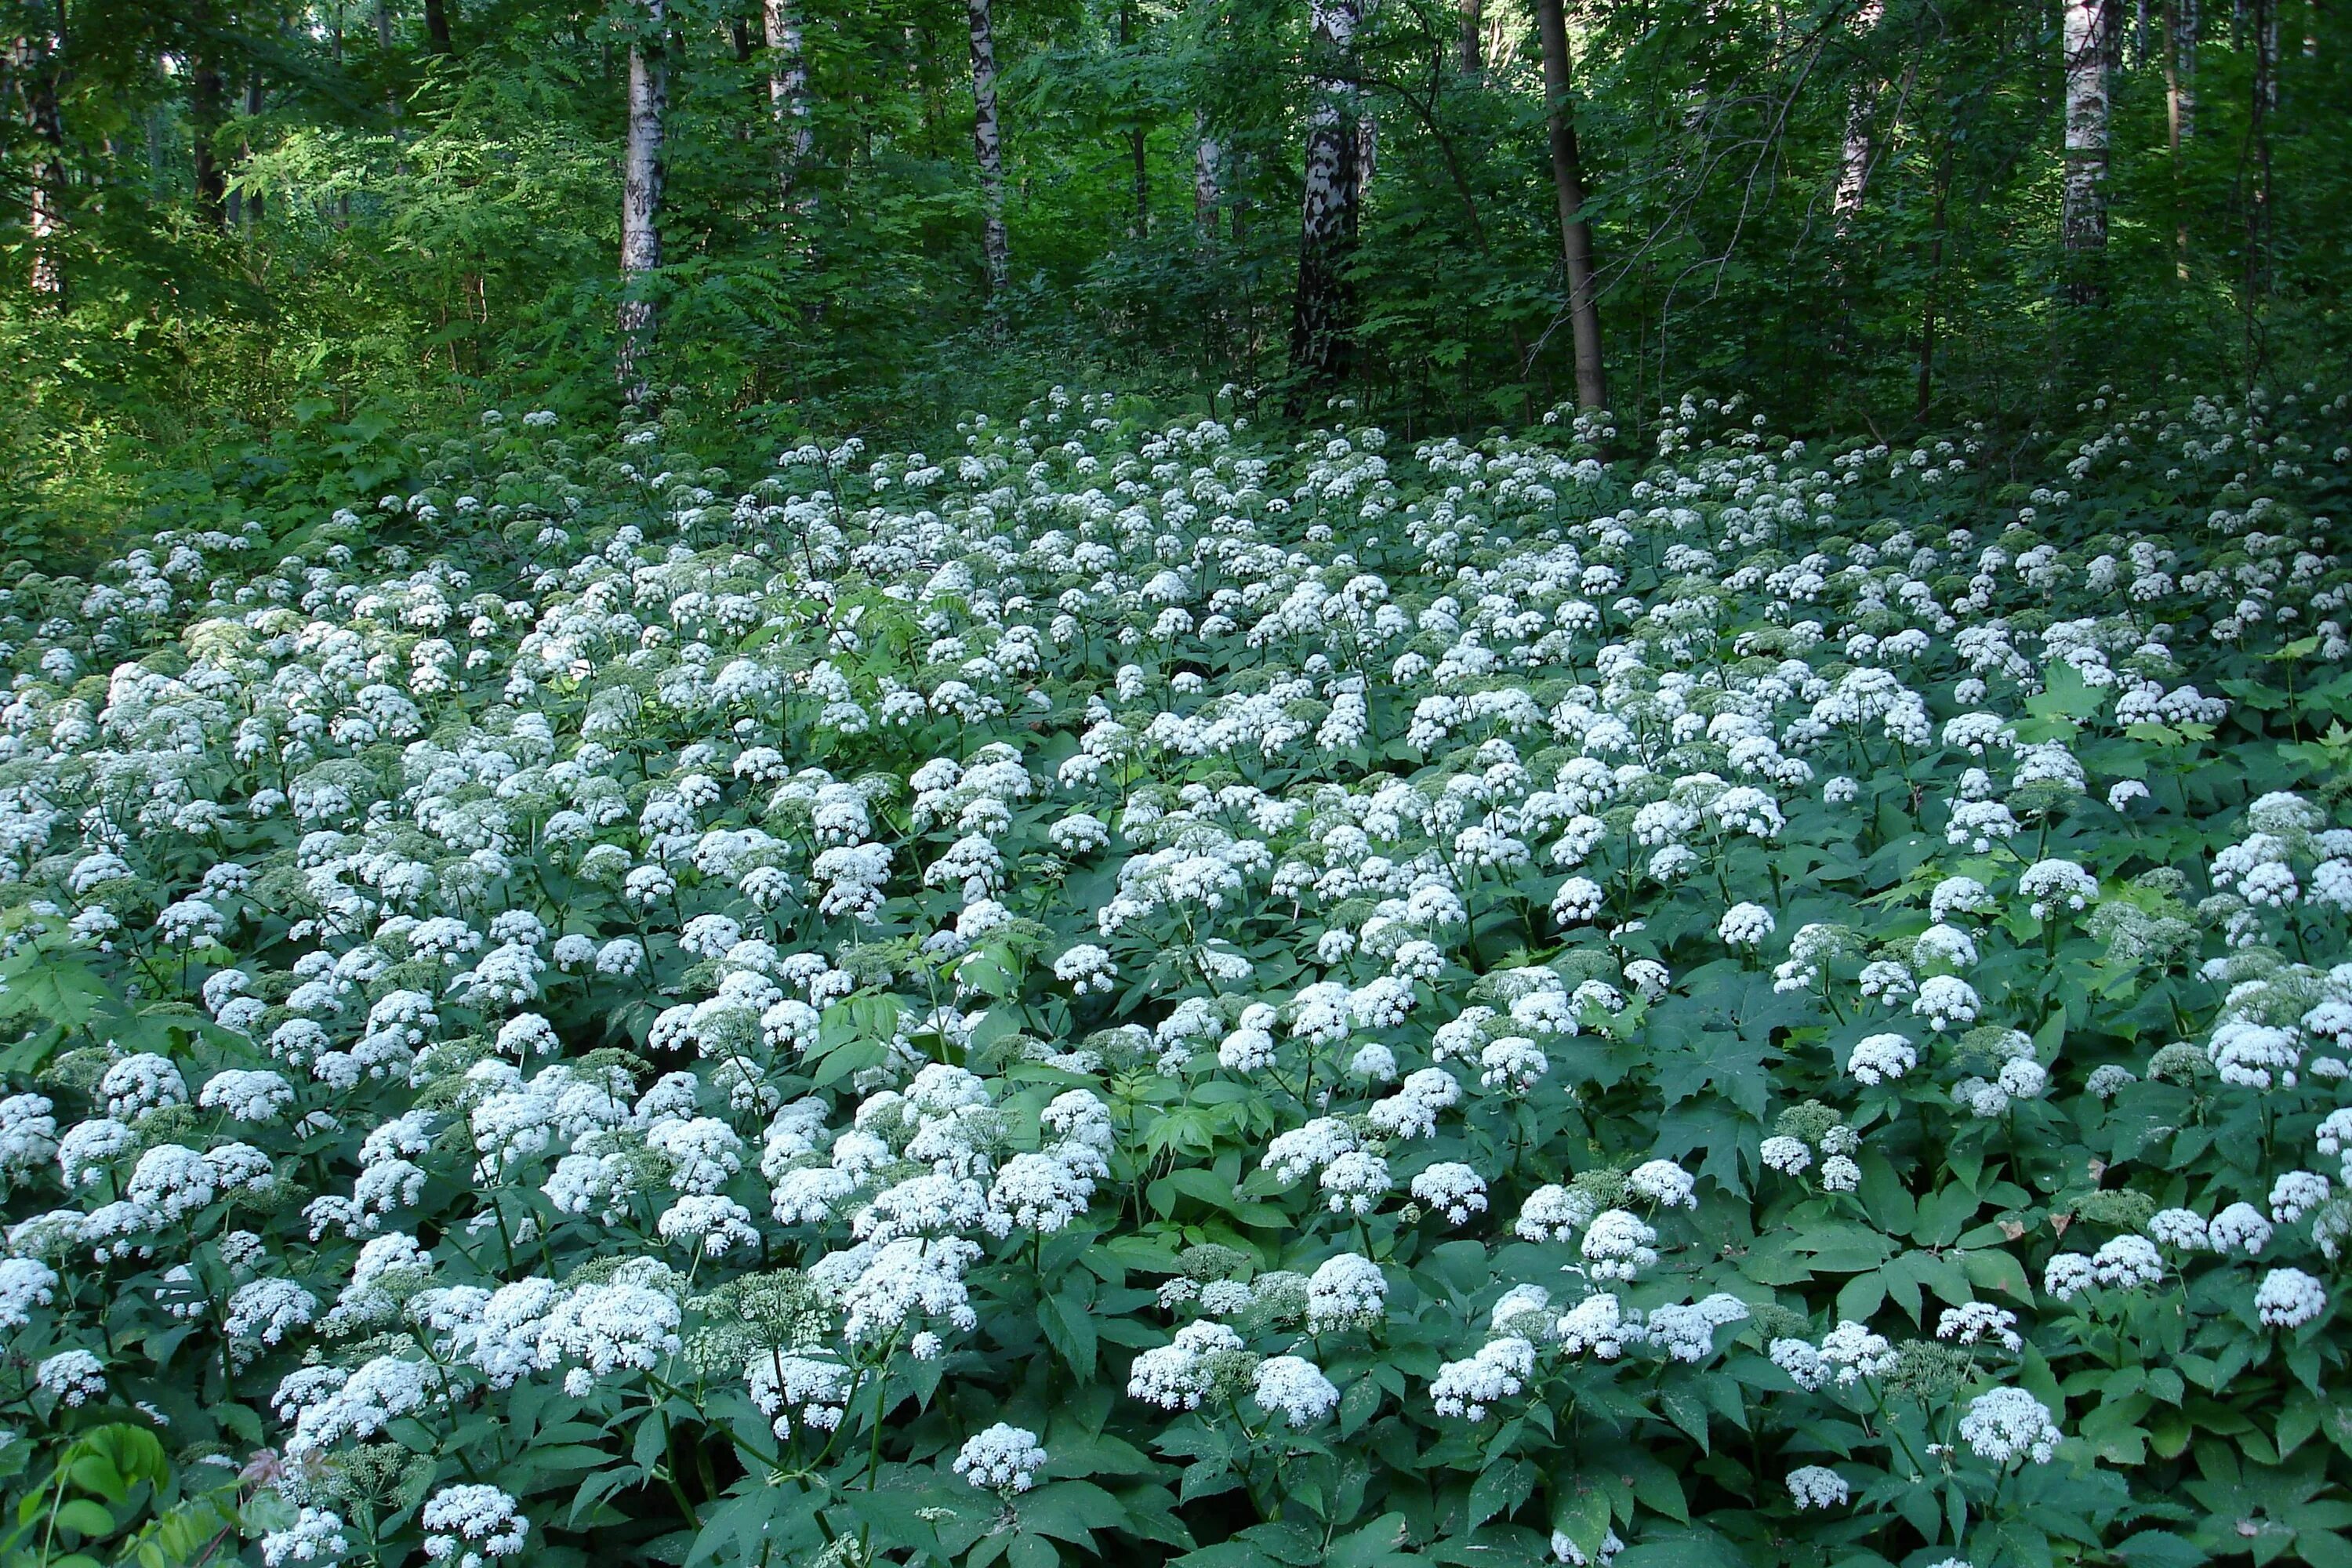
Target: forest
226, 221
1227, 784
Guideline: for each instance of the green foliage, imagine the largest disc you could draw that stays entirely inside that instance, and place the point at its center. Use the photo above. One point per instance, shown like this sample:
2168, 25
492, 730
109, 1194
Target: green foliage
1843, 947
405, 230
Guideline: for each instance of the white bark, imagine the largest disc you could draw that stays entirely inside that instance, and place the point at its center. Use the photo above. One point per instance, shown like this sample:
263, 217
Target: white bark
34, 59
2082, 218
1207, 167
1856, 151
1322, 324
787, 92
988, 144
2184, 72
641, 195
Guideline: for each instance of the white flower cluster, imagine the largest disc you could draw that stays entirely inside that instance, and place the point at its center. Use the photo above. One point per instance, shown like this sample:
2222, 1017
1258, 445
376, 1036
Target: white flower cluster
737, 940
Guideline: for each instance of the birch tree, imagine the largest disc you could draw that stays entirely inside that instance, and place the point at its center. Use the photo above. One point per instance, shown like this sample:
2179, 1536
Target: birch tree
2083, 216
1568, 187
1323, 311
2180, 113
640, 194
1856, 150
988, 144
787, 92
1207, 157
37, 61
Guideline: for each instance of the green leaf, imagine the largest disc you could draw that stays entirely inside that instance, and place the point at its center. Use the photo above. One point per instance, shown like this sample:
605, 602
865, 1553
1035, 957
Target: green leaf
1069, 1326
86, 1516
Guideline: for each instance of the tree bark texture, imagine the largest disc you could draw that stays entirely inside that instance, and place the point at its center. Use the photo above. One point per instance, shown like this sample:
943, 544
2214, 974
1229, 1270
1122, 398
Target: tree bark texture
1856, 149
1323, 312
1568, 186
437, 27
35, 58
988, 144
2181, 72
1207, 157
2083, 216
1474, 23
641, 196
788, 95
206, 95
2179, 113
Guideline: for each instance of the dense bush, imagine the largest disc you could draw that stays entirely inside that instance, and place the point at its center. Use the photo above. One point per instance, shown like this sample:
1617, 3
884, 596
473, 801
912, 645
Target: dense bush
1122, 993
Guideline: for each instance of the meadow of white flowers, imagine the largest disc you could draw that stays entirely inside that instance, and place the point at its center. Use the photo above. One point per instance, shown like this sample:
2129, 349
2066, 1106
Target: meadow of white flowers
1129, 994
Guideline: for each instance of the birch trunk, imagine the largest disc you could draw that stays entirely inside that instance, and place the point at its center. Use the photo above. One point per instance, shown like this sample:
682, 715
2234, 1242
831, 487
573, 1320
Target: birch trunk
988, 144
2262, 104
1568, 186
787, 93
2181, 72
2083, 216
1206, 158
641, 198
36, 58
1323, 313
2179, 113
1856, 151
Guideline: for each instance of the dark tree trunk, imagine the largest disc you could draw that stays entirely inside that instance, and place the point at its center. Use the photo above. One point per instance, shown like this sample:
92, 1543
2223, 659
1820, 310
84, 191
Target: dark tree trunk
1138, 148
437, 27
206, 96
1575, 232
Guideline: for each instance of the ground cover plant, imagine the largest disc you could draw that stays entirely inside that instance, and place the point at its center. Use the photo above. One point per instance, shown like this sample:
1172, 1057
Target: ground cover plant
1127, 993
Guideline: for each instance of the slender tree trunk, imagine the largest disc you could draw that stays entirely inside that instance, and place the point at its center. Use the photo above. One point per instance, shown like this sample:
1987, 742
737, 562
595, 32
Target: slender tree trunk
255, 102
988, 144
1856, 151
38, 61
391, 94
2082, 218
2262, 104
2179, 114
1367, 152
1474, 23
437, 27
207, 93
1206, 158
1138, 148
1323, 312
1568, 186
788, 94
1934, 277
641, 198
2183, 78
